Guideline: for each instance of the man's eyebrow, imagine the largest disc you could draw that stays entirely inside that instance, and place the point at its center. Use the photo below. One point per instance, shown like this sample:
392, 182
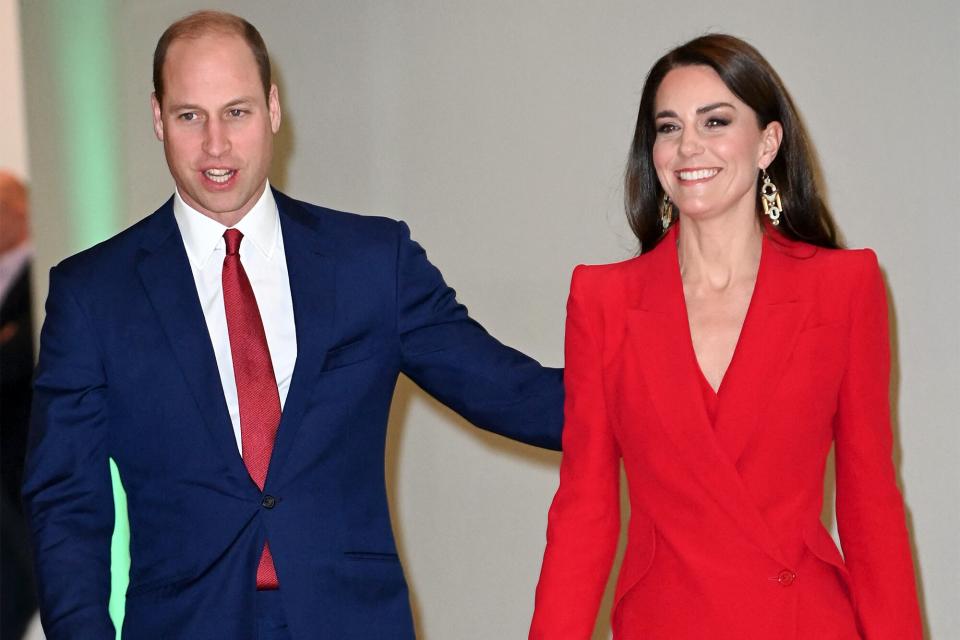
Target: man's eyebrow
238, 101
704, 109
186, 106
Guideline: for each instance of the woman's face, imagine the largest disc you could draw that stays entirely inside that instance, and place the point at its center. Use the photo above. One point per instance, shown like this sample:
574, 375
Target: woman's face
709, 145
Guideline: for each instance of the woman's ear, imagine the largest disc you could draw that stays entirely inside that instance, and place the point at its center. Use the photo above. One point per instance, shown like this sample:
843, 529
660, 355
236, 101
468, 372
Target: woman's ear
770, 139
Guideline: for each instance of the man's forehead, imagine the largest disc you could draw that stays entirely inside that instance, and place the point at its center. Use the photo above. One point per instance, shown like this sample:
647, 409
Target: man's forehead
210, 37
214, 63
187, 52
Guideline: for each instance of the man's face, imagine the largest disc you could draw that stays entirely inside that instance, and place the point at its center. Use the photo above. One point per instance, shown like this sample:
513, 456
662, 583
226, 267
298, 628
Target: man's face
216, 125
14, 226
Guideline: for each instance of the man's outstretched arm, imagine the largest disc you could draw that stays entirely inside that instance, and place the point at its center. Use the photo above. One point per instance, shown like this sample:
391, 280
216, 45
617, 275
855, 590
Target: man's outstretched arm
454, 359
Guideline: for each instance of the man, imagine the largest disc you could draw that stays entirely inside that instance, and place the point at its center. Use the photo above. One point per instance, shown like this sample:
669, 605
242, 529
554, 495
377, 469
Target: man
235, 353
17, 599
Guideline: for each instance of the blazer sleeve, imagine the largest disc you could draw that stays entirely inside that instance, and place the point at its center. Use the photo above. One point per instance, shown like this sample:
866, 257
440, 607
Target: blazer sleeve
455, 360
870, 513
584, 520
67, 492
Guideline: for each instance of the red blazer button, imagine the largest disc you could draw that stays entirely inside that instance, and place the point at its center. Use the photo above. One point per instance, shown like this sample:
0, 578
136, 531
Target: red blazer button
786, 577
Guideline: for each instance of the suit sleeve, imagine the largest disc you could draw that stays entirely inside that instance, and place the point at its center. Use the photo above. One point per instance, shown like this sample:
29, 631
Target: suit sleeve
584, 520
454, 359
67, 491
870, 513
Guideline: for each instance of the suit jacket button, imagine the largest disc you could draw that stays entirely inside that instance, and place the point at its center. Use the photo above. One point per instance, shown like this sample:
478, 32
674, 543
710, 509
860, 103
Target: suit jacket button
268, 502
786, 577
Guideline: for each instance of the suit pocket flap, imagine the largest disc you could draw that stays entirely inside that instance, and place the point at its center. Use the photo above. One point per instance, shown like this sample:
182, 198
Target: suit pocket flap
372, 555
641, 549
821, 544
348, 354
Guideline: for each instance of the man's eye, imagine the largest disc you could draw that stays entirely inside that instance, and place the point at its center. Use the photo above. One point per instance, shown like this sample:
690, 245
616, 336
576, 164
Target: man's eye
187, 117
236, 113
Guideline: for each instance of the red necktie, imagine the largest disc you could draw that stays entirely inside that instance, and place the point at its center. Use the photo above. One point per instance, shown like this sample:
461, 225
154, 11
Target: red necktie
256, 384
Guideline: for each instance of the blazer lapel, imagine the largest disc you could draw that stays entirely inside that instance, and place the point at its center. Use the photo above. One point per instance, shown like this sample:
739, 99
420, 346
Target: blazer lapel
767, 339
165, 272
310, 267
659, 332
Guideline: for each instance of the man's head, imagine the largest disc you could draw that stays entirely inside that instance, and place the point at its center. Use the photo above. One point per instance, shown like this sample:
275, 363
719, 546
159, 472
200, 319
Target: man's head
14, 217
204, 23
216, 112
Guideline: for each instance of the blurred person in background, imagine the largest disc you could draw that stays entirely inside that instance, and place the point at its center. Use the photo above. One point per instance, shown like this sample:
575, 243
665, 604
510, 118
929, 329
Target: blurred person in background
17, 596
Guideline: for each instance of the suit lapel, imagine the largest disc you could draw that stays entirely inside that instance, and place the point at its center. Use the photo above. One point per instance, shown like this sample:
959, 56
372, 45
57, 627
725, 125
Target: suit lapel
766, 342
310, 267
659, 332
165, 272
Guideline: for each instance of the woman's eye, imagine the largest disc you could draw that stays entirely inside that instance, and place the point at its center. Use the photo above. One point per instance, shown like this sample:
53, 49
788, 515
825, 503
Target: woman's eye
667, 127
717, 122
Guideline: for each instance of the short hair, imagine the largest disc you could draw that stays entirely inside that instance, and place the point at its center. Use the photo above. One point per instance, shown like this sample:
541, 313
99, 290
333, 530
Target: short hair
750, 77
203, 23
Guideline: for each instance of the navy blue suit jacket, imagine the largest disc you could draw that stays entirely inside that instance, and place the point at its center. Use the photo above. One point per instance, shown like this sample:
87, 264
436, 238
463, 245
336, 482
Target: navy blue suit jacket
127, 371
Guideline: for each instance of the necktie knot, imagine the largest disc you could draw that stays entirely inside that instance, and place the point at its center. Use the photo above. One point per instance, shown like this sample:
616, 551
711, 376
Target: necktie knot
232, 237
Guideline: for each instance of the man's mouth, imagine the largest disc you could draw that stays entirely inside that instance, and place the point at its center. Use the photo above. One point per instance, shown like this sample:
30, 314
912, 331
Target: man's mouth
220, 176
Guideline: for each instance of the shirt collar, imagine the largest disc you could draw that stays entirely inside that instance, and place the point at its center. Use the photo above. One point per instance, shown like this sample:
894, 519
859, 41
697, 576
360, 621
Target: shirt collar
203, 235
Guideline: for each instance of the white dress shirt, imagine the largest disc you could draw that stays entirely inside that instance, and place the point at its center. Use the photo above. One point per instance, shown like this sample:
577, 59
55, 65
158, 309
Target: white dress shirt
264, 260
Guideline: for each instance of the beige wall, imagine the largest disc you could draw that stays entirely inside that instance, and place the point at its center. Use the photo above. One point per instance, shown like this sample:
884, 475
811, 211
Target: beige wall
13, 143
498, 130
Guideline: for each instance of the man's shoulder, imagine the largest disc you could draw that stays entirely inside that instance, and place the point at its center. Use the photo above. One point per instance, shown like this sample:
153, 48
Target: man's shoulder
342, 226
120, 250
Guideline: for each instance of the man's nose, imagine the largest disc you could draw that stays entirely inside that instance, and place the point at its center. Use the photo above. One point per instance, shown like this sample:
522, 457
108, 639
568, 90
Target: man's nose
216, 141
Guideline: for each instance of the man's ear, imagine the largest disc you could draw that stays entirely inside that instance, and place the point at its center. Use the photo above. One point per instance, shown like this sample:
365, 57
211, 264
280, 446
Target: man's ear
273, 102
157, 117
770, 139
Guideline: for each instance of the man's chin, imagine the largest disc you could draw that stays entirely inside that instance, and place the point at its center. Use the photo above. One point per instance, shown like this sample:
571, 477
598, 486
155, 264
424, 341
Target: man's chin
218, 208
226, 207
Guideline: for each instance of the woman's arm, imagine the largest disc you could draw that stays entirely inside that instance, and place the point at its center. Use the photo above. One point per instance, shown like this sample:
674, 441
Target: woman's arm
584, 521
870, 513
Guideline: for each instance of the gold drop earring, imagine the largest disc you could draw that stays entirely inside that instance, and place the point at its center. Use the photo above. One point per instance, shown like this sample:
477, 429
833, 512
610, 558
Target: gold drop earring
770, 199
666, 212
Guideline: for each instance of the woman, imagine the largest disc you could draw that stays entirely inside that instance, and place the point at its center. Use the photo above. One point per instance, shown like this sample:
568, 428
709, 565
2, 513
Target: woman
720, 365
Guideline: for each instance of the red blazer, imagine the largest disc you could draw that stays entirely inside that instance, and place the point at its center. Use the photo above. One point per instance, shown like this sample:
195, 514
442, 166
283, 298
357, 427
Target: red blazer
725, 539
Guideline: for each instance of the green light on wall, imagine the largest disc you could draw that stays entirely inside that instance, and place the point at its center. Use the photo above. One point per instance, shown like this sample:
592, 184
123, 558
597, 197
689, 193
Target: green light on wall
86, 78
87, 81
119, 551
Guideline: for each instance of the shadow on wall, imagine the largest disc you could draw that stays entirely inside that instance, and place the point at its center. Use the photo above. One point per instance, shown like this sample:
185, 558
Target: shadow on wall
897, 449
283, 142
